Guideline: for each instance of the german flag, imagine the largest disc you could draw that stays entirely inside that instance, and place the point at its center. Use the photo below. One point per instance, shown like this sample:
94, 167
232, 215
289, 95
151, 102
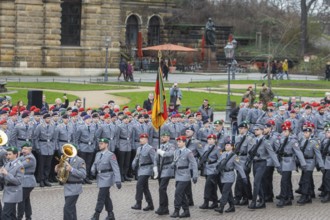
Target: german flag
159, 109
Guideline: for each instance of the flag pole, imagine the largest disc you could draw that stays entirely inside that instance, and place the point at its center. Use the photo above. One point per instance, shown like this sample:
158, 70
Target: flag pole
159, 60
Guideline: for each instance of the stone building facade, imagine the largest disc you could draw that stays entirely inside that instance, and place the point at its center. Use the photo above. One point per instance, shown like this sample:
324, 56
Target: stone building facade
72, 33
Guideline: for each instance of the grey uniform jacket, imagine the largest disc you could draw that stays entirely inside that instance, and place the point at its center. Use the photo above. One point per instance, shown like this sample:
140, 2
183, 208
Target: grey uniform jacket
291, 149
13, 192
326, 148
164, 162
222, 136
211, 162
85, 138
312, 153
274, 139
3, 153
63, 135
44, 138
74, 184
184, 161
242, 114
174, 129
145, 160
265, 150
202, 134
29, 162
108, 131
137, 130
106, 168
195, 146
228, 176
22, 133
244, 147
124, 137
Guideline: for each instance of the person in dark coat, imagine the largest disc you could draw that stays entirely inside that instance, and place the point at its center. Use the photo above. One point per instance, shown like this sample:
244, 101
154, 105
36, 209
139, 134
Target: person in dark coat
147, 104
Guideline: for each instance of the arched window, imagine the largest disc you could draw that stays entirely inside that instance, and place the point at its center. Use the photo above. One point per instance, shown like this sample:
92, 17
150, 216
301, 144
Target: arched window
154, 31
71, 22
132, 29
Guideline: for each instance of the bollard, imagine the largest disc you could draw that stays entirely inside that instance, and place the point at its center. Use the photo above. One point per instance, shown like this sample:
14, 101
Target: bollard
84, 102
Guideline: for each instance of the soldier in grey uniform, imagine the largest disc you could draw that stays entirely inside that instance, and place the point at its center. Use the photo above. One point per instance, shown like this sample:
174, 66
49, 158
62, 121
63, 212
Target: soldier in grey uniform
164, 159
208, 163
106, 169
108, 130
183, 161
85, 138
227, 163
174, 128
288, 150
23, 131
203, 132
326, 155
220, 133
244, 142
73, 186
258, 155
124, 140
45, 147
12, 174
242, 113
311, 151
63, 133
146, 164
29, 181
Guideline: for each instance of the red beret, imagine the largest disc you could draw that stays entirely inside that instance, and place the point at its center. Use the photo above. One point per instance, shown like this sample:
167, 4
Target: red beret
272, 122
188, 113
89, 109
73, 114
116, 110
81, 109
22, 108
320, 107
315, 104
52, 107
181, 138
32, 108
249, 87
106, 116
284, 103
293, 111
287, 124
128, 113
284, 128
198, 113
144, 135
149, 112
5, 109
106, 107
311, 125
246, 100
14, 108
139, 109
36, 110
124, 107
212, 136
12, 113
3, 121
270, 104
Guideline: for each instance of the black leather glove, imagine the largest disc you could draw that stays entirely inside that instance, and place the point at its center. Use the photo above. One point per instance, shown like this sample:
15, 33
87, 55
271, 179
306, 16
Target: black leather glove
304, 168
245, 181
118, 184
279, 170
322, 170
38, 151
195, 180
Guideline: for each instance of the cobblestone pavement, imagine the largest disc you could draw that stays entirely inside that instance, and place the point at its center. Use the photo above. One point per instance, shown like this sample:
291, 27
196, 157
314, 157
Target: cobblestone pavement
48, 204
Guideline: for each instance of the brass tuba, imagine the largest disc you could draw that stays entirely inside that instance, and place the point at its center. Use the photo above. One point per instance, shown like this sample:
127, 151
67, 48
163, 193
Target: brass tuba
3, 138
69, 151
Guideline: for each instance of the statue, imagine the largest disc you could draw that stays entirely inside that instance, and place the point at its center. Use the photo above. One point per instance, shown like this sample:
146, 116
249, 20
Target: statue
210, 33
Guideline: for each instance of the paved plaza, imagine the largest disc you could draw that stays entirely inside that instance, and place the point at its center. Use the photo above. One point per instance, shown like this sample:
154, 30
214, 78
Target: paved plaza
48, 204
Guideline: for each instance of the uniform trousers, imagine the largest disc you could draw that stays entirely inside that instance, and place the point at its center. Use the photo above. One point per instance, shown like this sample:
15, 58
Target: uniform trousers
267, 182
88, 157
104, 200
25, 205
210, 189
227, 195
286, 185
259, 168
242, 190
326, 181
69, 210
124, 161
8, 211
142, 187
132, 156
306, 182
44, 166
163, 198
180, 196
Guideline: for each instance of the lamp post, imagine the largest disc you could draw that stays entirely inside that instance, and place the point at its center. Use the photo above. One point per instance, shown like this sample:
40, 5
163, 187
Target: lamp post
229, 52
107, 43
234, 43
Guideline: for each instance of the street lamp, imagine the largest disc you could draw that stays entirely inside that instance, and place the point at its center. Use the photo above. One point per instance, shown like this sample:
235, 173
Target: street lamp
107, 44
233, 62
229, 52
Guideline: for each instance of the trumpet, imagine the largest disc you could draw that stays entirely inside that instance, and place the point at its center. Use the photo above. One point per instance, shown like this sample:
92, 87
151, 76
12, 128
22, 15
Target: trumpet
3, 138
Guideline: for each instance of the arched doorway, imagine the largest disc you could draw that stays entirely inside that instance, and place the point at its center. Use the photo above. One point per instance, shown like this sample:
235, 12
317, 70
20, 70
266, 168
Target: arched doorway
154, 31
132, 29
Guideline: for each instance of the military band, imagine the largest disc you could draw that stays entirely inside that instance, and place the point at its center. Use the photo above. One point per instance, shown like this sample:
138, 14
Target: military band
187, 146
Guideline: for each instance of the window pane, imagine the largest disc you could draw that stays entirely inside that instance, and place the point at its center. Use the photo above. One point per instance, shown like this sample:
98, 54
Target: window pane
70, 24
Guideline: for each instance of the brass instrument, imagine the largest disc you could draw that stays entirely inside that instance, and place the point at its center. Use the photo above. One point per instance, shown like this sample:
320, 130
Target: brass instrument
69, 151
3, 138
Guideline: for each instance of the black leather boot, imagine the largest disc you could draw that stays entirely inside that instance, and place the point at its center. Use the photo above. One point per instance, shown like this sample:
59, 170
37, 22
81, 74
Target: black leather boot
162, 211
261, 204
252, 205
205, 205
231, 208
280, 204
326, 198
96, 216
110, 216
244, 201
214, 205
137, 205
149, 207
220, 209
175, 214
302, 200
185, 214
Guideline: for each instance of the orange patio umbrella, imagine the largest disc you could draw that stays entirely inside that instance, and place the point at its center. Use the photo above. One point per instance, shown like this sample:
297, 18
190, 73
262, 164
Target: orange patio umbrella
170, 47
